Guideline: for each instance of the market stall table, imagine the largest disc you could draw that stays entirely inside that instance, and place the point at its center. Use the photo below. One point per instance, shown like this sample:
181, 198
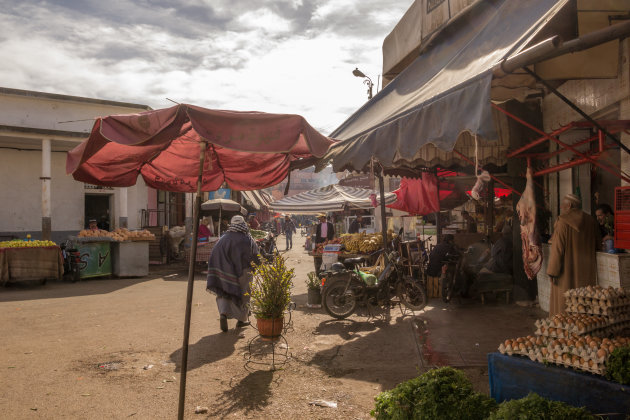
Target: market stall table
130, 258
30, 263
95, 254
514, 377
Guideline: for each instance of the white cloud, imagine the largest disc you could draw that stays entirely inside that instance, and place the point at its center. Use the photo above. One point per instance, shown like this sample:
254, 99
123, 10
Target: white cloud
293, 56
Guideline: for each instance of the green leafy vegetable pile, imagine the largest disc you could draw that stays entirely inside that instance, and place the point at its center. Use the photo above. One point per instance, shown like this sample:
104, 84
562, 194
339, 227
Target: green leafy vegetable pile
258, 234
535, 407
443, 393
618, 365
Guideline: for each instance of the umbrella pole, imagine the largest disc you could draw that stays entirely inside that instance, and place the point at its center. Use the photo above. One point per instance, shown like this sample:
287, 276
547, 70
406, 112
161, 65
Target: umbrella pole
381, 186
191, 281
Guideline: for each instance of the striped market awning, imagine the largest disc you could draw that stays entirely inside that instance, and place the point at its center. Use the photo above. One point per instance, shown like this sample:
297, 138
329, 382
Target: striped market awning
330, 198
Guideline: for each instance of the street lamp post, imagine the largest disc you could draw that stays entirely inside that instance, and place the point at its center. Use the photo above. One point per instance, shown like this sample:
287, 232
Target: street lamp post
367, 81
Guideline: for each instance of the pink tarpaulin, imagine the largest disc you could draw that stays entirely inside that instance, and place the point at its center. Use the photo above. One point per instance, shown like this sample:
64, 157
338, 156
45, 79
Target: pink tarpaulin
417, 196
247, 150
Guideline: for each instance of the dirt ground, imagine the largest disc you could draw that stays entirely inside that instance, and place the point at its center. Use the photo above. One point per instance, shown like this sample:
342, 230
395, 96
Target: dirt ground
111, 348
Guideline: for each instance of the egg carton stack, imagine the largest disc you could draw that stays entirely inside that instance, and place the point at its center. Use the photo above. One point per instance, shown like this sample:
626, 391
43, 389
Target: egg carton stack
565, 325
587, 353
610, 303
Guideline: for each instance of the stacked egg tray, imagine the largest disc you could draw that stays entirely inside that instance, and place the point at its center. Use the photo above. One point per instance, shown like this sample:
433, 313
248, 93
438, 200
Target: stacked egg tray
587, 353
566, 325
611, 303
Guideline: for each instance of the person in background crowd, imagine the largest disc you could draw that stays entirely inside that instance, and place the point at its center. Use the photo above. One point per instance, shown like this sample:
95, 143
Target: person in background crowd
288, 228
229, 272
470, 223
324, 231
572, 262
224, 226
356, 225
204, 231
606, 220
253, 223
92, 224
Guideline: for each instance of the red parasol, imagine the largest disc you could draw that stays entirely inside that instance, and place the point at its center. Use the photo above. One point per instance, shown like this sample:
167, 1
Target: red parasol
187, 148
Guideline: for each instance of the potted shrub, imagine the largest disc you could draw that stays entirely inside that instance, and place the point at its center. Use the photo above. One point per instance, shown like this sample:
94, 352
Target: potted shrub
313, 285
271, 296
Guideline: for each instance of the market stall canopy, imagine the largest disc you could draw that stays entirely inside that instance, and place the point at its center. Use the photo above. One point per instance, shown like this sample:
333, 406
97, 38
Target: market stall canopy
330, 198
246, 150
421, 196
444, 95
259, 199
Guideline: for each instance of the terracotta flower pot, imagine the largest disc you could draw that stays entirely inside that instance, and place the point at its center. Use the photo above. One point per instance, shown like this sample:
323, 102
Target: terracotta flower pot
270, 329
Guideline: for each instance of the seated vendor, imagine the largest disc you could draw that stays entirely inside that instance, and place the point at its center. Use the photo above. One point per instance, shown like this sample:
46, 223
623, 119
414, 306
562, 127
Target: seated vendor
204, 230
356, 225
501, 253
253, 223
92, 225
606, 220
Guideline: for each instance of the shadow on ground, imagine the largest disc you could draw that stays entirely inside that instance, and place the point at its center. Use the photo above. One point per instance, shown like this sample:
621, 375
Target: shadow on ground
209, 349
250, 395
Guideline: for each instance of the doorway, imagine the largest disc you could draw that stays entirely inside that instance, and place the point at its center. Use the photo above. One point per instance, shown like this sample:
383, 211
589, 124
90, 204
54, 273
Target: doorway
98, 207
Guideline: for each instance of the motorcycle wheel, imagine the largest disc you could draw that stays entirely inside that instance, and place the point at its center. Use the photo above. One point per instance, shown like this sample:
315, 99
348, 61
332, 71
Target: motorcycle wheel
412, 294
336, 303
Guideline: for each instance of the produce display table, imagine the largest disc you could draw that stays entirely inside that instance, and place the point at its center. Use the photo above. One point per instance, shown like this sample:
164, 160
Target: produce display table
130, 258
96, 258
203, 251
37, 263
514, 377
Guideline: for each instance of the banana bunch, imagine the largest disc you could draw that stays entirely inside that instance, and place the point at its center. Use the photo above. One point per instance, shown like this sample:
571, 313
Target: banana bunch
351, 241
18, 243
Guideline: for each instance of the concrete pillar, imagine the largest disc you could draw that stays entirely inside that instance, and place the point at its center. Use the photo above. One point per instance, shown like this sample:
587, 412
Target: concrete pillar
123, 220
46, 207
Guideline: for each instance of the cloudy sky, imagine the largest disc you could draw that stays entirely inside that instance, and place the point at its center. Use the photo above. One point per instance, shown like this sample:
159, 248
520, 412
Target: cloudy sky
293, 56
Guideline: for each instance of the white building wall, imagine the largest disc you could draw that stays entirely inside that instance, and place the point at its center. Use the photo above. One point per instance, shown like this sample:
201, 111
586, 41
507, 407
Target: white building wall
20, 195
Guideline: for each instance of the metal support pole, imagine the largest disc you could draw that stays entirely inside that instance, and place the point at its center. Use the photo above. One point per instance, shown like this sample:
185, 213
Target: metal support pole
576, 108
191, 282
560, 143
46, 207
381, 186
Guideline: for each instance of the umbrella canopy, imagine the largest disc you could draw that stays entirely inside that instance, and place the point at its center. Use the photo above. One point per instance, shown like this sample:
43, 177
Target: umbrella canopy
186, 148
330, 198
223, 205
246, 150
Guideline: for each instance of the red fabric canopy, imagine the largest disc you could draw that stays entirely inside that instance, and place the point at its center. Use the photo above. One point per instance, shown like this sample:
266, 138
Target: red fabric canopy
247, 150
417, 196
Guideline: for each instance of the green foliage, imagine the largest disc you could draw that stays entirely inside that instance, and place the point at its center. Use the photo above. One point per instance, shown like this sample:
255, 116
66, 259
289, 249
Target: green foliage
443, 393
271, 288
534, 407
312, 281
258, 234
618, 365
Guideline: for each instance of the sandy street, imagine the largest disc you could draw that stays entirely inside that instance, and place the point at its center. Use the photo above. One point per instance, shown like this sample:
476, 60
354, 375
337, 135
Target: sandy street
111, 348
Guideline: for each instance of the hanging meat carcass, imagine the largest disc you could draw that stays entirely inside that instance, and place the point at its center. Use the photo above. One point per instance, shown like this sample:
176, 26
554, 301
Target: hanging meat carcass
532, 248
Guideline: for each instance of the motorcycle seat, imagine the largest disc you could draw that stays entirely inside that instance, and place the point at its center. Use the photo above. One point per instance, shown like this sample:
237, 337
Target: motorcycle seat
352, 262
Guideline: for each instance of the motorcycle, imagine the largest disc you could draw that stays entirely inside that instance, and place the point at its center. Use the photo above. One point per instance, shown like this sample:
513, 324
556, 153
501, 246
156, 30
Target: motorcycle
460, 269
267, 247
343, 288
71, 261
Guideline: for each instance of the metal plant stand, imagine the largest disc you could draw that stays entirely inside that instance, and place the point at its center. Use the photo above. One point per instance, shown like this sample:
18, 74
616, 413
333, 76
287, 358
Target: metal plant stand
270, 354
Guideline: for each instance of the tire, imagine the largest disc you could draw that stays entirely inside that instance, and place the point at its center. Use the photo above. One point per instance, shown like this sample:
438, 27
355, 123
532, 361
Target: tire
412, 294
336, 303
446, 284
